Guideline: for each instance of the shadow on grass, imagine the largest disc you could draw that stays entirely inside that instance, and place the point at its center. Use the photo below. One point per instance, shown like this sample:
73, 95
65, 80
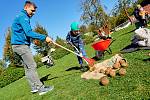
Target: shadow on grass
63, 76
97, 59
84, 68
45, 78
148, 59
127, 33
73, 68
145, 60
129, 48
132, 48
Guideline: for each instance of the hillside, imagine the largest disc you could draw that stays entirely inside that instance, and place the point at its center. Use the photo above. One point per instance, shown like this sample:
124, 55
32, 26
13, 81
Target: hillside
65, 76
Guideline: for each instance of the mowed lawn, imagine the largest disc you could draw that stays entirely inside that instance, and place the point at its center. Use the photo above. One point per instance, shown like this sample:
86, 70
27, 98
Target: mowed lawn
66, 78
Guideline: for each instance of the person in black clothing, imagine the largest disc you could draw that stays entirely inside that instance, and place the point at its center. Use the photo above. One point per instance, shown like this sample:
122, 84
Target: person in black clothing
141, 21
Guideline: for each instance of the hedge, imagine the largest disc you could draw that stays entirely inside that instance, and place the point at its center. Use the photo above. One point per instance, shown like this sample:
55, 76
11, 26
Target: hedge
10, 75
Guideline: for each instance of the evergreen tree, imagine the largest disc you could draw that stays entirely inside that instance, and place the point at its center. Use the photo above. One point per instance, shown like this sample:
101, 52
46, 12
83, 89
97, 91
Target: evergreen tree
41, 47
8, 54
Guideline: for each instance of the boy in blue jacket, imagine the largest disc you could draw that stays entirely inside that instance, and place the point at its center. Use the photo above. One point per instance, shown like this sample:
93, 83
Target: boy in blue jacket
73, 38
21, 39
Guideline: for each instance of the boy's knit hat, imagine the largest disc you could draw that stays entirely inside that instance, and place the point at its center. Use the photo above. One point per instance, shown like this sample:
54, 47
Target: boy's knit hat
75, 26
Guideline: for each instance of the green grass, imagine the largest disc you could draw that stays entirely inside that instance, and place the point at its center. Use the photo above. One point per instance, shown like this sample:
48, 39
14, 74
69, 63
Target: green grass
69, 85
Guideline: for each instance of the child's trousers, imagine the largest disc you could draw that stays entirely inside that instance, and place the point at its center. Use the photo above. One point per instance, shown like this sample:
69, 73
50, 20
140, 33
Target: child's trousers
81, 49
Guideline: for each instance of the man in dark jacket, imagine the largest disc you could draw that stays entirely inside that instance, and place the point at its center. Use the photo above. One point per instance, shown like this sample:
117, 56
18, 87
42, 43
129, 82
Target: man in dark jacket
21, 39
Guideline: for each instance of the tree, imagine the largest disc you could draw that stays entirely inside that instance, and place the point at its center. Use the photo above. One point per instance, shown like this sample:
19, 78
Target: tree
122, 10
93, 12
60, 41
120, 6
60, 52
2, 63
83, 29
41, 47
7, 51
8, 54
1, 66
112, 21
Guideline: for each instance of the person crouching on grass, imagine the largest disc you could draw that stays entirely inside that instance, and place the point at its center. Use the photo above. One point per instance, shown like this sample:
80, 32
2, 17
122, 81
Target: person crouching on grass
74, 39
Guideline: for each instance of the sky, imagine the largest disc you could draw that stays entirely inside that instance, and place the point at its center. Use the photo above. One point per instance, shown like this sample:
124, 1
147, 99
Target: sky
54, 15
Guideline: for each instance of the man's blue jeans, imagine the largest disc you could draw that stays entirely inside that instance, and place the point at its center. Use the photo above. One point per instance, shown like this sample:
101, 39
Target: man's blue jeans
25, 53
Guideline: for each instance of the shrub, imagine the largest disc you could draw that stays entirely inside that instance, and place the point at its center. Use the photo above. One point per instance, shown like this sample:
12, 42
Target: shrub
1, 70
10, 75
88, 39
59, 53
38, 61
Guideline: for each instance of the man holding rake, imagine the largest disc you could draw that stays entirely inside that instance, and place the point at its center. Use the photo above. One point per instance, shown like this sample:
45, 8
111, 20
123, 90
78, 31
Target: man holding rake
21, 39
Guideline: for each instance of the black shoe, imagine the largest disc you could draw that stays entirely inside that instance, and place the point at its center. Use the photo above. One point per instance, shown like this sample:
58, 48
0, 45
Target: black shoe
84, 69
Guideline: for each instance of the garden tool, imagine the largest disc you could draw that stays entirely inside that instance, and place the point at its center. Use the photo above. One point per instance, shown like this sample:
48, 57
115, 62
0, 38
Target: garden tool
89, 61
76, 49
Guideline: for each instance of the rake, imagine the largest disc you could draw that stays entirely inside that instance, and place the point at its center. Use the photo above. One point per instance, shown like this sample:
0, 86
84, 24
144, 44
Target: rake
89, 61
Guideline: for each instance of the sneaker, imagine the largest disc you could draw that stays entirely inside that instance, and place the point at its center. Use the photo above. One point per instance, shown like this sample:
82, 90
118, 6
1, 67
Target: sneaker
82, 70
45, 89
34, 90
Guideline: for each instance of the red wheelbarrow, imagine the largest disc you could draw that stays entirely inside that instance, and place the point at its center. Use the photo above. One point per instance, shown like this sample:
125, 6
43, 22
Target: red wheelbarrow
102, 46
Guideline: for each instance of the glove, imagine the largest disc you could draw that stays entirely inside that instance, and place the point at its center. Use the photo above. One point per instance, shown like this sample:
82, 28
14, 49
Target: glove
80, 54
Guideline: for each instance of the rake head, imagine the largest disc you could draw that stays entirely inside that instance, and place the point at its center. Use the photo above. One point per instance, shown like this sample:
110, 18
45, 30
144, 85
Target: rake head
89, 61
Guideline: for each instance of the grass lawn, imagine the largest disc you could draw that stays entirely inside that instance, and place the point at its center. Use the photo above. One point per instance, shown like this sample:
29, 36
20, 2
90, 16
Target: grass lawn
69, 86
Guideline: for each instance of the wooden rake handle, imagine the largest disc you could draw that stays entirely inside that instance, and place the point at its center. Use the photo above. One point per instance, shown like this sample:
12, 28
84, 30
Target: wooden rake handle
70, 51
66, 49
